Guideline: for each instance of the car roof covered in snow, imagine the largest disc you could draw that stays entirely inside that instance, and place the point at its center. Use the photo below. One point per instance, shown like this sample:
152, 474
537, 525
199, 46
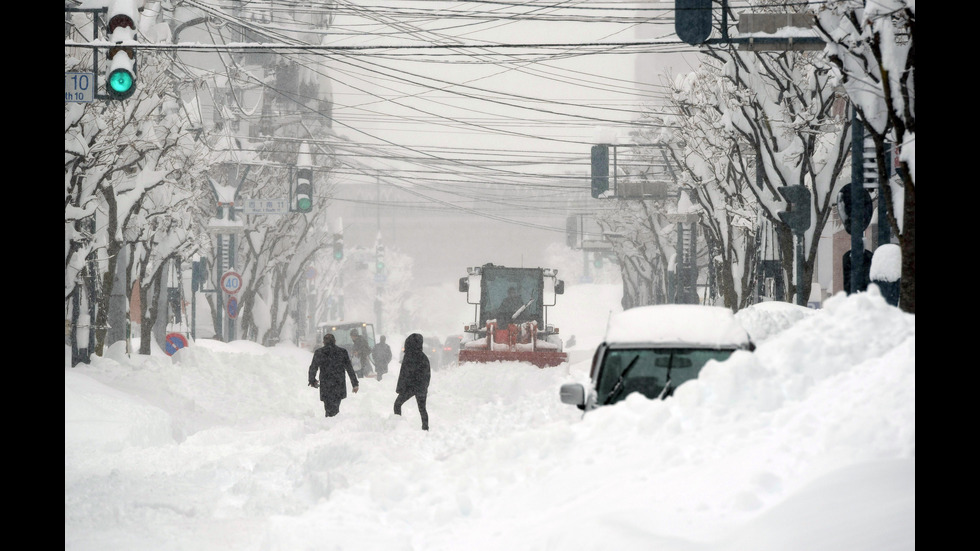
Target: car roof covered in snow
678, 324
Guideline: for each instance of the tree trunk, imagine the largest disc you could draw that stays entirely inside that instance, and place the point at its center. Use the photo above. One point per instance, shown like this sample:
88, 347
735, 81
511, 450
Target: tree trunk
906, 298
150, 311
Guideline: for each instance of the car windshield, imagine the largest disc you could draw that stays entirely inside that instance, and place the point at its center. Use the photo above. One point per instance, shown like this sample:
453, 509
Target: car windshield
507, 291
650, 369
341, 333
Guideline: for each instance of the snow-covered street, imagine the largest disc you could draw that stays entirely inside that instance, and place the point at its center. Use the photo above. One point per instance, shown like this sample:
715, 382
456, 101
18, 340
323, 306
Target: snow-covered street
807, 443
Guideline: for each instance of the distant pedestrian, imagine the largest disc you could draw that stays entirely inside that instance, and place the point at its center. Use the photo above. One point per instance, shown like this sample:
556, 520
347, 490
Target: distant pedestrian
331, 361
413, 379
381, 356
362, 354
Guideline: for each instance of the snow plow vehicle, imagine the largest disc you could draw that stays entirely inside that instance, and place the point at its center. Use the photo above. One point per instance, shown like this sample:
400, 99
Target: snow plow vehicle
510, 319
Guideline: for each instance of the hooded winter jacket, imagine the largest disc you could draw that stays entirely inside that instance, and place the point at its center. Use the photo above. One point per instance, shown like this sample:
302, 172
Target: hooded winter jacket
415, 372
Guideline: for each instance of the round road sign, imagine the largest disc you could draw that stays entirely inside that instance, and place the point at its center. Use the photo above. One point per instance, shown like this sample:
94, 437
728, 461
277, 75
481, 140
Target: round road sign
231, 282
232, 307
174, 342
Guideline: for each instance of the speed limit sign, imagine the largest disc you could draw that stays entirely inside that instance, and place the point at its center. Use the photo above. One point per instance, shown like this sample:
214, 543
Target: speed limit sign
231, 282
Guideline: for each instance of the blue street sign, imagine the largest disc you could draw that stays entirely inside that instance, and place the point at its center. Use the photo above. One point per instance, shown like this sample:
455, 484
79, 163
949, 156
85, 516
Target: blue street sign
232, 307
174, 342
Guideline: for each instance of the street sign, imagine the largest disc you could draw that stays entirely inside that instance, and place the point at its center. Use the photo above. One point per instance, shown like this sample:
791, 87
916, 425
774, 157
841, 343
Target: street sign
596, 245
79, 87
174, 342
231, 282
265, 206
232, 307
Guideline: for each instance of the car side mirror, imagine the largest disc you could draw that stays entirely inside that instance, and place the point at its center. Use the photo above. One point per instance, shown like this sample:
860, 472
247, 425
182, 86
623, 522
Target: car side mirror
573, 393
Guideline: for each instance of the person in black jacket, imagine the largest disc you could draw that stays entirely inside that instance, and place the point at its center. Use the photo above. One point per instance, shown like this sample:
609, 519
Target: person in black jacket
331, 361
381, 355
413, 379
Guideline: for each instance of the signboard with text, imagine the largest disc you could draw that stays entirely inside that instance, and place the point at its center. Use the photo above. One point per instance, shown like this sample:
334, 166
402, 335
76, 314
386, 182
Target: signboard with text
265, 206
79, 87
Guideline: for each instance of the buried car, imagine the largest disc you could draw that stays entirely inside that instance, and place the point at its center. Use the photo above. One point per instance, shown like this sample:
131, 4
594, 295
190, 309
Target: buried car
654, 349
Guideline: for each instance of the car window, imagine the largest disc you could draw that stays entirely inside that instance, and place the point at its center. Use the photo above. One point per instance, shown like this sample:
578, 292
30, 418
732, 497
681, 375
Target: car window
650, 369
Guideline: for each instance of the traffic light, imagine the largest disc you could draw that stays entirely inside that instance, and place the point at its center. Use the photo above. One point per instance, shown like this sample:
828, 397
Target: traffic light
600, 170
304, 179
692, 20
304, 190
380, 259
797, 213
121, 29
338, 246
844, 208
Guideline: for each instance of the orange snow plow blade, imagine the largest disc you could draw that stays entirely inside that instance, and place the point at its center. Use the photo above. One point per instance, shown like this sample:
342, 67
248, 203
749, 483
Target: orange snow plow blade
540, 358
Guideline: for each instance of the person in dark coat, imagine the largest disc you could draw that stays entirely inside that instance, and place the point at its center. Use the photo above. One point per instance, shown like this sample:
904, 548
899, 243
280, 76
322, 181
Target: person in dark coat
509, 306
331, 361
413, 379
362, 353
381, 355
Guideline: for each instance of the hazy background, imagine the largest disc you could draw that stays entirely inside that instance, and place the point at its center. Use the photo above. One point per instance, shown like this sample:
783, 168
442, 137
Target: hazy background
459, 158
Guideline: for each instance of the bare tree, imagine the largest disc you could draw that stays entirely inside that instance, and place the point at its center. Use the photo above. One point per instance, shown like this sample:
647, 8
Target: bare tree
118, 155
758, 121
873, 46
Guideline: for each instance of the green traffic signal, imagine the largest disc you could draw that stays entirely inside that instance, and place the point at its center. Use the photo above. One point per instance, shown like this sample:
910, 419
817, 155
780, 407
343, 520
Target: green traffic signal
338, 247
304, 190
380, 266
121, 32
121, 82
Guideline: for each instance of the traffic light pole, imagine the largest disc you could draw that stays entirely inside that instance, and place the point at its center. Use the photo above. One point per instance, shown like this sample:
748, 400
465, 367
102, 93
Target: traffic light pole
225, 231
858, 269
96, 24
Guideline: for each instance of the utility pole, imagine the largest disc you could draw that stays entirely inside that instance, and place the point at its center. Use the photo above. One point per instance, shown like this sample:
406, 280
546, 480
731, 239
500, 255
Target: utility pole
226, 228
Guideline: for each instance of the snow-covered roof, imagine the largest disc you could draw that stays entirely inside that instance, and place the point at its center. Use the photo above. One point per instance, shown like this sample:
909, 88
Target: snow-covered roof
692, 324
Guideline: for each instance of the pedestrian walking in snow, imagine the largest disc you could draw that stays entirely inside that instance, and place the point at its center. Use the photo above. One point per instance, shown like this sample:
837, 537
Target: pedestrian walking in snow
362, 354
381, 355
413, 378
331, 361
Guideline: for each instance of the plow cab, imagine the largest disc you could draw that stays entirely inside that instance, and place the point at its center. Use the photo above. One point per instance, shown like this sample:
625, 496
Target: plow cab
510, 320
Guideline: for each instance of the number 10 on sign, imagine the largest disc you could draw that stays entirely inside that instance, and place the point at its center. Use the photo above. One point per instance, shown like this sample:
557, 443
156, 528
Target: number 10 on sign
79, 87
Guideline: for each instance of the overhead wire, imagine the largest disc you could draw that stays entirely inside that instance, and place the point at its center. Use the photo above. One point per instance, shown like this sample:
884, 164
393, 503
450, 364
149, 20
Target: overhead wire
429, 158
